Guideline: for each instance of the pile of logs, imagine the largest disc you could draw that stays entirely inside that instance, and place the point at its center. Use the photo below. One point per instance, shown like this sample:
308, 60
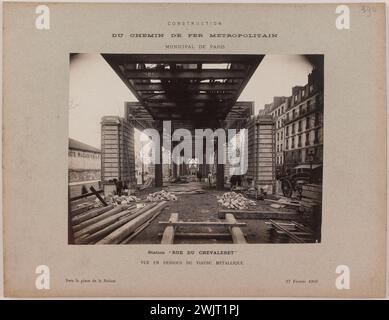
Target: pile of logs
233, 200
113, 224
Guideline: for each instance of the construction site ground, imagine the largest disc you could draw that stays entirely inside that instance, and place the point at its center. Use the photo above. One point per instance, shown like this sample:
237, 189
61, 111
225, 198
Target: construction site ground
203, 207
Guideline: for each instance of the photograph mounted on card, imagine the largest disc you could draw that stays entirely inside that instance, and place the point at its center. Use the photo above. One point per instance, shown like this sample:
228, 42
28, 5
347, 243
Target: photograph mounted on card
165, 147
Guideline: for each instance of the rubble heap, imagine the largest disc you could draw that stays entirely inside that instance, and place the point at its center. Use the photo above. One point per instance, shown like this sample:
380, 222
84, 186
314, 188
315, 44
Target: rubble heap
233, 200
116, 200
161, 196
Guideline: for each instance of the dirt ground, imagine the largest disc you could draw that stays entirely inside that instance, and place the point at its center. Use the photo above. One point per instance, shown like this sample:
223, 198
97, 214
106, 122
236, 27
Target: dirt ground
202, 207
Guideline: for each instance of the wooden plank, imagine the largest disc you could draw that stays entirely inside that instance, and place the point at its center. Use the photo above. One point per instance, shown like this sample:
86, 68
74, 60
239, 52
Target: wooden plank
98, 196
302, 227
312, 195
90, 214
297, 233
139, 229
284, 203
81, 209
85, 223
168, 234
124, 231
89, 238
85, 195
236, 232
253, 214
113, 226
201, 235
292, 224
287, 232
102, 223
203, 223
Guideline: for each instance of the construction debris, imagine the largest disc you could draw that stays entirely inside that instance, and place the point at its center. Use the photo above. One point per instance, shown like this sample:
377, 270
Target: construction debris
233, 200
161, 196
121, 200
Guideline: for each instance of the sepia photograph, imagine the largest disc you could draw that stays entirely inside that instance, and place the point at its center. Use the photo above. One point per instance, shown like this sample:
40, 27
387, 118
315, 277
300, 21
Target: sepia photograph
156, 150
195, 148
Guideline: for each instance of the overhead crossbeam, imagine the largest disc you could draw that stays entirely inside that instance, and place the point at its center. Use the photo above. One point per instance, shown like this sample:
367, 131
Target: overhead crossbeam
185, 87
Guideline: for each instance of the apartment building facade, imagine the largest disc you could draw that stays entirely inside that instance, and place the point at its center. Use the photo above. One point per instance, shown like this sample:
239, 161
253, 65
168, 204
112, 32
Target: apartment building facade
299, 123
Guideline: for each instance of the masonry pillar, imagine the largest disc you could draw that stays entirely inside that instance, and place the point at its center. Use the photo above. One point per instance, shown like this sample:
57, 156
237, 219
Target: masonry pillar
219, 170
158, 180
174, 162
117, 152
265, 148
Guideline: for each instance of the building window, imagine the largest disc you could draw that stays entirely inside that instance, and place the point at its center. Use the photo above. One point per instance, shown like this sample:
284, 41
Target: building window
307, 123
299, 141
303, 92
300, 126
300, 109
293, 131
316, 137
308, 105
295, 98
282, 135
307, 139
294, 113
311, 88
317, 100
317, 119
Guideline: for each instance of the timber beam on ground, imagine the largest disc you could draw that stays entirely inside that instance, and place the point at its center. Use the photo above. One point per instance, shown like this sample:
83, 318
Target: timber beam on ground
203, 223
230, 223
252, 214
294, 231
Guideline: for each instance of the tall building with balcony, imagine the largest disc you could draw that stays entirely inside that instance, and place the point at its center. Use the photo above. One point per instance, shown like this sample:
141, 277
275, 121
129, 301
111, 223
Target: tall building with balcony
299, 124
304, 123
277, 111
